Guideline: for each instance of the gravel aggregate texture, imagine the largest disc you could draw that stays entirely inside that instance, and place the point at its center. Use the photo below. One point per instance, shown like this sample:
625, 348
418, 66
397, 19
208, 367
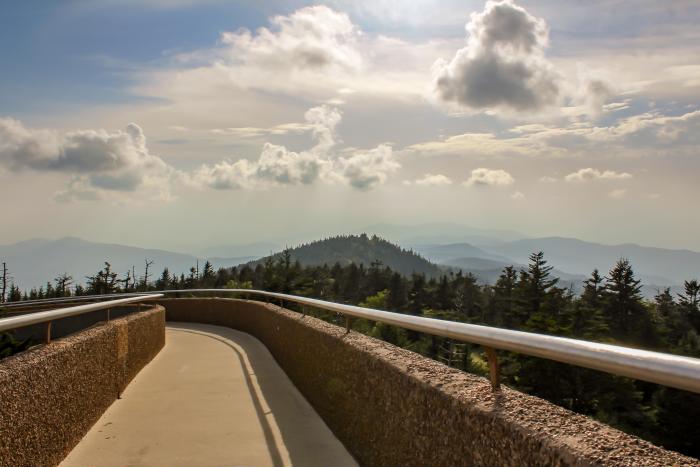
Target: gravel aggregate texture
393, 407
52, 394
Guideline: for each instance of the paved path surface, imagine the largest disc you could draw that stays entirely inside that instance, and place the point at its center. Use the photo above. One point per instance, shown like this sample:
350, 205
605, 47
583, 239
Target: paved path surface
212, 397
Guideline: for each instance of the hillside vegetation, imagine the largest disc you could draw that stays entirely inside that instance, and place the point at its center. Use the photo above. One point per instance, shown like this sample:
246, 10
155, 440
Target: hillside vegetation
358, 249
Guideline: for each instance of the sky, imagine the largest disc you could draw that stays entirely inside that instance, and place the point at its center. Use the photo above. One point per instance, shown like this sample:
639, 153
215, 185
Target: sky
181, 123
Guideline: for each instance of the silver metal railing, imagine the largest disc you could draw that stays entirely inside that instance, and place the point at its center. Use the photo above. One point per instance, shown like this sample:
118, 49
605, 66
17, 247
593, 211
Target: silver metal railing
49, 316
41, 302
665, 369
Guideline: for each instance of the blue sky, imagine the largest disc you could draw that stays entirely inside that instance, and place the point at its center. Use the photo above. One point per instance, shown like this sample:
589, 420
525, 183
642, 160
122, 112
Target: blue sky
552, 118
74, 52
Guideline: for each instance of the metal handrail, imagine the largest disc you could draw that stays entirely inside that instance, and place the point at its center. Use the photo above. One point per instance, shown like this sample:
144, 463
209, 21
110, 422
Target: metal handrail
656, 367
15, 322
59, 300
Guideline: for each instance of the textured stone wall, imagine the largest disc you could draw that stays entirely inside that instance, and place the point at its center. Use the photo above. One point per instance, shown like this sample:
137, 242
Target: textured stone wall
52, 394
392, 407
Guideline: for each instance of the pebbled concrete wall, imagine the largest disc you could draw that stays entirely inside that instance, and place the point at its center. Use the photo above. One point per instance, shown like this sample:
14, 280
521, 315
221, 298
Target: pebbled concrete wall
52, 394
392, 407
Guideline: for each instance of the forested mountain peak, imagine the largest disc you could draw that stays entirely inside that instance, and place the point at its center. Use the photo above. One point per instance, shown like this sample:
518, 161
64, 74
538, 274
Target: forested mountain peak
359, 249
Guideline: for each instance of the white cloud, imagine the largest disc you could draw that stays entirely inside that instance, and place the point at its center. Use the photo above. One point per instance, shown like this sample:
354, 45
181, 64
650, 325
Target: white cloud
589, 174
503, 64
366, 169
548, 179
314, 37
102, 160
225, 175
277, 165
432, 180
488, 177
650, 133
517, 195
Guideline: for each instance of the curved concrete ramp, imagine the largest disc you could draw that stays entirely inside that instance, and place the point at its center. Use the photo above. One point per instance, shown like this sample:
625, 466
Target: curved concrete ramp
212, 397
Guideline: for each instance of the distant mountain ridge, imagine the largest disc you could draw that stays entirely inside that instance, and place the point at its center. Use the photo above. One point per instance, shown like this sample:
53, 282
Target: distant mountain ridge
450, 252
359, 249
33, 262
653, 265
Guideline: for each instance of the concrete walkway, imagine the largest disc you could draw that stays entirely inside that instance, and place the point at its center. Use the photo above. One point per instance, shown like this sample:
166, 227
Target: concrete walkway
212, 397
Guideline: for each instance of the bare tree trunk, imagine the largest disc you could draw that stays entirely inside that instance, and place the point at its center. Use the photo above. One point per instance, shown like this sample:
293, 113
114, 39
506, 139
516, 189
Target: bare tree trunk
145, 277
4, 282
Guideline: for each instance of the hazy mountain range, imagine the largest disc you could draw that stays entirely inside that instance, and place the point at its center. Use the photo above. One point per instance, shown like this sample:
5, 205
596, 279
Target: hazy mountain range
33, 262
439, 247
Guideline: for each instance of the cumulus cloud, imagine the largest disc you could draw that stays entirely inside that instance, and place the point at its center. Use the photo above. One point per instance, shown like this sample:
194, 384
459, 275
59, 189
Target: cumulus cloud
314, 37
590, 174
367, 169
516, 195
503, 64
277, 165
112, 161
431, 180
489, 177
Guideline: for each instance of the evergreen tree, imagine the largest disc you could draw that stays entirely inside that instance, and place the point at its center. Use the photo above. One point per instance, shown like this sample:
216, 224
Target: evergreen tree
505, 300
164, 282
690, 302
623, 305
443, 295
587, 320
207, 277
418, 295
63, 283
397, 297
104, 282
468, 299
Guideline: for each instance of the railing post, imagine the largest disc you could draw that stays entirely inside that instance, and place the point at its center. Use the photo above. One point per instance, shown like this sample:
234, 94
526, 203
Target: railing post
348, 322
47, 337
494, 371
108, 313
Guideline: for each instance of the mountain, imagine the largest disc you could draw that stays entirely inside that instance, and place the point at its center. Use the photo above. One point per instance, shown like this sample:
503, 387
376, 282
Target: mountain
441, 233
252, 250
453, 251
480, 264
359, 249
653, 265
33, 262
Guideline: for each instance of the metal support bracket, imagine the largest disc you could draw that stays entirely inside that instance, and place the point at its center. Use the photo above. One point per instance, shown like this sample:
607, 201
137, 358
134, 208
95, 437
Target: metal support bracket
47, 338
494, 370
